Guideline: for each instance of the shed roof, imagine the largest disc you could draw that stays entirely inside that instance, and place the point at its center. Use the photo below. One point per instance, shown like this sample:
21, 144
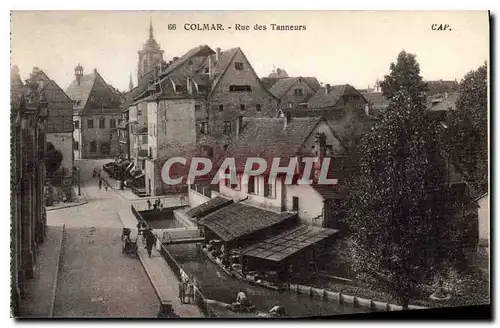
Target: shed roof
208, 207
238, 219
288, 242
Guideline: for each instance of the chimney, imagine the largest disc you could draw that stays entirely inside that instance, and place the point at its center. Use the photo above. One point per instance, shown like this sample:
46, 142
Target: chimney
327, 88
217, 51
210, 66
36, 70
288, 119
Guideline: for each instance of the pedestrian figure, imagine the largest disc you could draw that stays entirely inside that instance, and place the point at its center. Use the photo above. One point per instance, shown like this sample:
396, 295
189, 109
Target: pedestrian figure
182, 292
94, 173
190, 291
100, 183
149, 204
155, 206
106, 186
150, 242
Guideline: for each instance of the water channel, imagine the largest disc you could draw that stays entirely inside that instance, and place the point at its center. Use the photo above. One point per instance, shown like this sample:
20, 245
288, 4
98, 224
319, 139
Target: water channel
217, 285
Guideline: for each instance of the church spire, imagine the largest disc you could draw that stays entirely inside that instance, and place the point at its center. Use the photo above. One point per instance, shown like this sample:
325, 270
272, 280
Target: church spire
150, 29
130, 84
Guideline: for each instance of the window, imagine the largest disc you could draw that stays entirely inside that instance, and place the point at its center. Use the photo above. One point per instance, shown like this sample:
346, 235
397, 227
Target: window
298, 92
139, 112
192, 186
295, 203
178, 88
112, 123
105, 148
221, 108
238, 88
206, 191
201, 88
93, 146
207, 70
268, 188
102, 123
204, 128
76, 124
154, 130
150, 152
144, 139
258, 107
90, 123
237, 184
197, 108
119, 121
238, 66
227, 127
242, 107
207, 151
251, 184
76, 146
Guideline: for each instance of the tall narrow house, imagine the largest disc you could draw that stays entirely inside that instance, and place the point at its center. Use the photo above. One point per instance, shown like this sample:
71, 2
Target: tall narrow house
96, 115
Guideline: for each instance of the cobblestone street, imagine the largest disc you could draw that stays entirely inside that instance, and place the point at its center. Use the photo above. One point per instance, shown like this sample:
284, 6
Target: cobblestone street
95, 278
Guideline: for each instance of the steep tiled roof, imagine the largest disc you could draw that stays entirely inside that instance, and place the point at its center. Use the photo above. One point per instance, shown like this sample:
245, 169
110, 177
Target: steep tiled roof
326, 191
443, 102
283, 85
268, 138
80, 93
202, 49
376, 100
323, 99
222, 64
208, 207
238, 220
268, 82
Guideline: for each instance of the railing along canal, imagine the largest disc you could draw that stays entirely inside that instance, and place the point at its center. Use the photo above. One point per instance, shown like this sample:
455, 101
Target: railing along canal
199, 298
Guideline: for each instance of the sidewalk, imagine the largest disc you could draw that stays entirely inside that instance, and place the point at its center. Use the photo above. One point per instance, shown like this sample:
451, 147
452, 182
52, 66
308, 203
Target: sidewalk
38, 300
77, 200
160, 274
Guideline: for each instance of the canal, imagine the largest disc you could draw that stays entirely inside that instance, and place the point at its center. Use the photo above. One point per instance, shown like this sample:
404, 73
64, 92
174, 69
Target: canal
217, 285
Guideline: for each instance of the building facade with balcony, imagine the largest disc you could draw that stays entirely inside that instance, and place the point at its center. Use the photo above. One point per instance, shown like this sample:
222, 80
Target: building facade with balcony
29, 110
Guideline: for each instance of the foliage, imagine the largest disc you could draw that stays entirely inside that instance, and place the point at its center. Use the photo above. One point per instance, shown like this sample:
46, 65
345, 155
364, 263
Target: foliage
471, 129
53, 158
401, 229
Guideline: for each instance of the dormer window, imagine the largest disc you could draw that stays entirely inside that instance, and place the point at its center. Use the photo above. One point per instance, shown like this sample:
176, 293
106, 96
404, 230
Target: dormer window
178, 88
298, 92
238, 66
207, 70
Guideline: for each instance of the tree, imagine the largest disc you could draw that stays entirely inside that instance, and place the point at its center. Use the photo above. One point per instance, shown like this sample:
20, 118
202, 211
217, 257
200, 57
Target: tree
470, 141
399, 220
53, 158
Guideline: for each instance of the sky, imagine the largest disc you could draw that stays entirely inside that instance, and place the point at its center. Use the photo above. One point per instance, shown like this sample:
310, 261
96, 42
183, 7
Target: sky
337, 47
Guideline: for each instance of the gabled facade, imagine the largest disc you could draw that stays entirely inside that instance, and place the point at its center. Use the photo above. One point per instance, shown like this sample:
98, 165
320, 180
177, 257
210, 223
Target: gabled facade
59, 128
294, 91
96, 115
285, 138
208, 90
